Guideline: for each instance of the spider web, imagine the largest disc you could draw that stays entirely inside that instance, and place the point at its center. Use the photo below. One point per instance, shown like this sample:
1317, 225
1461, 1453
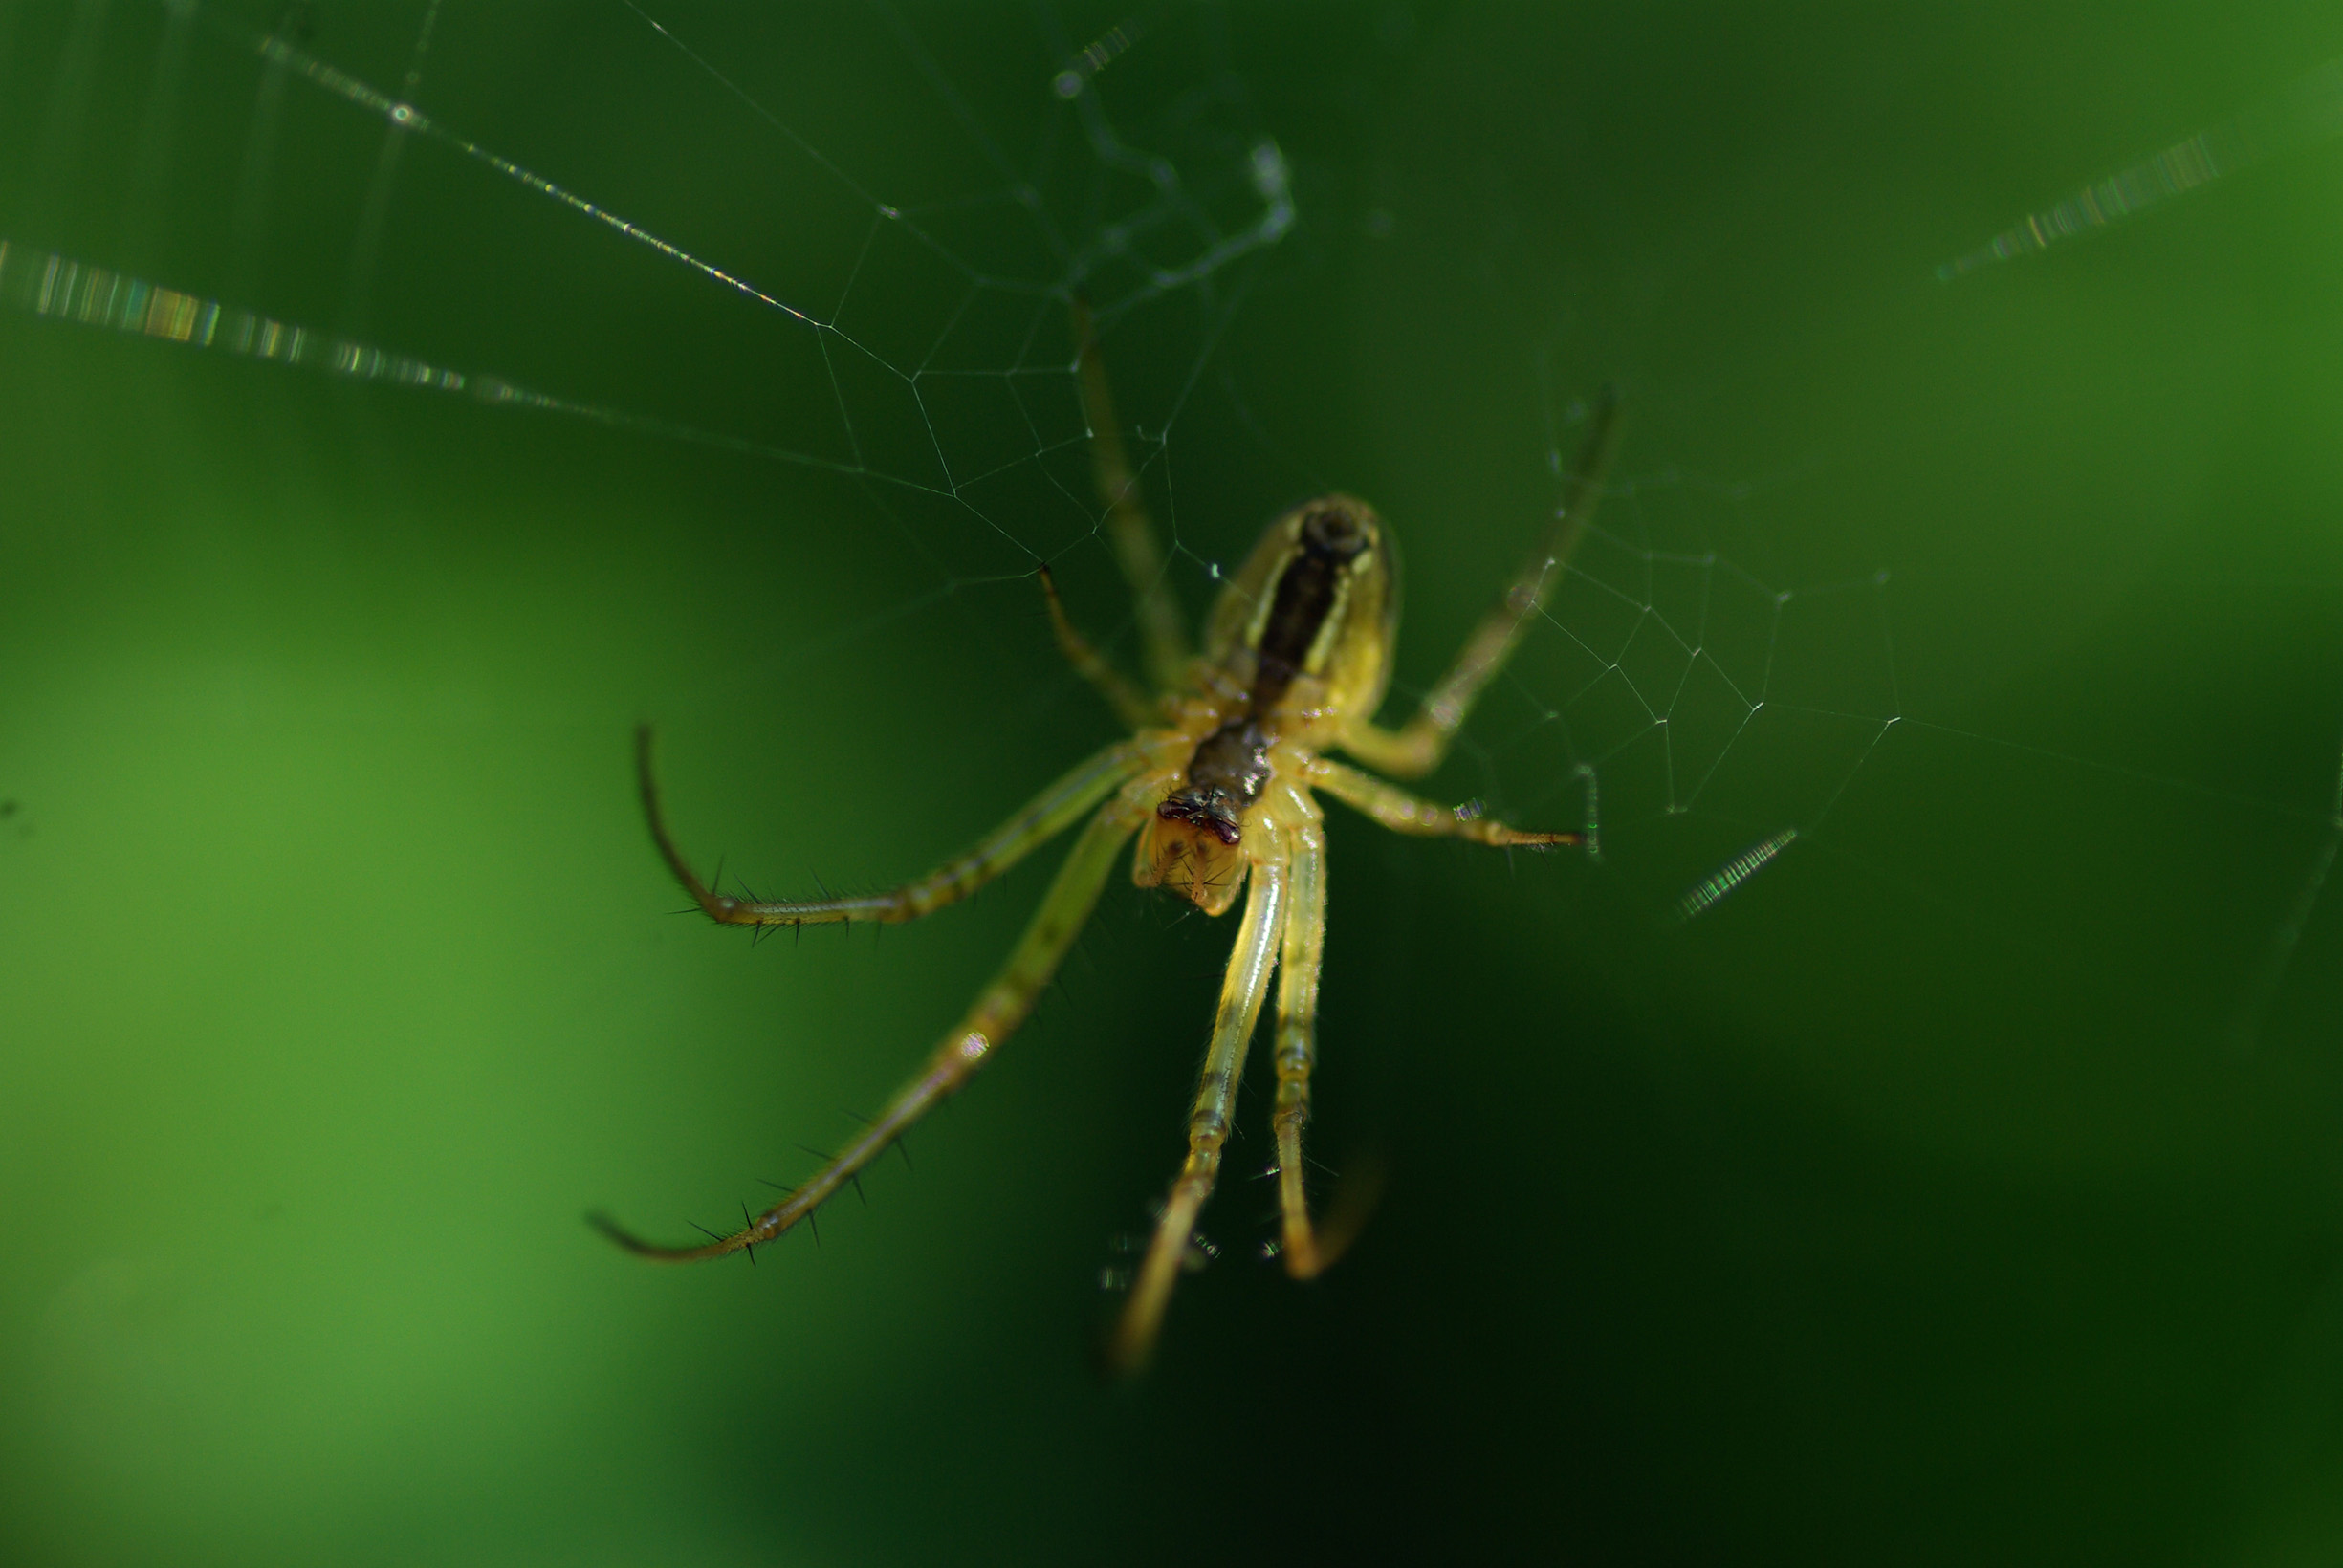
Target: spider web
339, 192
842, 244
834, 249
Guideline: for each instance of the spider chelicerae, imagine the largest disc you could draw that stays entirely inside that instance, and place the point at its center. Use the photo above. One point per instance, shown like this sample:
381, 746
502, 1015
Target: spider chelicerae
1217, 779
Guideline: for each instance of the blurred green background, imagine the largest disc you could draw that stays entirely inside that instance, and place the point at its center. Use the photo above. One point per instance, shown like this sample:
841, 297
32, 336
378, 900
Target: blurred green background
1921, 1202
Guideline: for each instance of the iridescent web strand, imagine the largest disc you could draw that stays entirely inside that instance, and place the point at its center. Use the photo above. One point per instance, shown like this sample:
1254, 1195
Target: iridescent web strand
2310, 111
1732, 874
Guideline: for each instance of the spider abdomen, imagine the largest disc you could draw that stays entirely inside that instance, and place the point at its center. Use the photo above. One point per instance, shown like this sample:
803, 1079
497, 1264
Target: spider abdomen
1317, 597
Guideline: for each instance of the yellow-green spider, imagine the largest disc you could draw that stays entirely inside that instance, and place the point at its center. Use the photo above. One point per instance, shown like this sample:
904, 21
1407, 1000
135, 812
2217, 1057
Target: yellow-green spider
1219, 780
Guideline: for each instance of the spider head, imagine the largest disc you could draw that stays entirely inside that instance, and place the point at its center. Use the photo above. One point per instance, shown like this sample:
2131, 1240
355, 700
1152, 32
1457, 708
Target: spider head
1189, 846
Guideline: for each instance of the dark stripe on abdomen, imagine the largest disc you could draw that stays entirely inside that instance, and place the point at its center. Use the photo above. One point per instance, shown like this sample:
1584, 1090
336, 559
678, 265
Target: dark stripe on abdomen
1305, 594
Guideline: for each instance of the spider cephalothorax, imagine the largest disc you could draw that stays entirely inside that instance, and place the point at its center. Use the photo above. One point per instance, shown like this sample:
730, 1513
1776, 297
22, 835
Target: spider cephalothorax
1218, 781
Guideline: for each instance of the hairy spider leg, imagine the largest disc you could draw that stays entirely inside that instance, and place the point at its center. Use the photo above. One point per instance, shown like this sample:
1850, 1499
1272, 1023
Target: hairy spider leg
1395, 808
1298, 965
1241, 991
1418, 746
1003, 1006
1039, 821
1163, 631
1130, 705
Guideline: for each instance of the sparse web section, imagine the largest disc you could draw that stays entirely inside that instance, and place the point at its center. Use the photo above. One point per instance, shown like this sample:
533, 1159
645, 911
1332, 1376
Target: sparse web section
1667, 683
948, 363
900, 320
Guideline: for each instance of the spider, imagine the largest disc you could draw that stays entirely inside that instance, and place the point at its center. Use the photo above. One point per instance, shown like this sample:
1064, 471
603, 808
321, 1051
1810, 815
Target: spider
1217, 781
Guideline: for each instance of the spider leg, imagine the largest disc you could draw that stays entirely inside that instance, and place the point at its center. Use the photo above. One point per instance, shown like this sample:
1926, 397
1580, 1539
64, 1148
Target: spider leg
1130, 705
1163, 631
1307, 1253
1417, 747
1403, 813
1039, 821
998, 1011
1241, 991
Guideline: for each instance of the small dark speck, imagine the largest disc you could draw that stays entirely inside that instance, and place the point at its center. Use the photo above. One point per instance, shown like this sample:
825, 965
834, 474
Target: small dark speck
7, 809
